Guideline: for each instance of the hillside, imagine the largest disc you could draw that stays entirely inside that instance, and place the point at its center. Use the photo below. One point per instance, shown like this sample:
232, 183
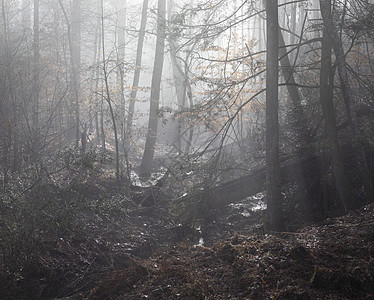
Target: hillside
120, 251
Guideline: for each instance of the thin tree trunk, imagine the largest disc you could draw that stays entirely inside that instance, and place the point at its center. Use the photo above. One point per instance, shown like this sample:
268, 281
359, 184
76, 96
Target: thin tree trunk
96, 63
326, 98
121, 51
3, 95
74, 34
36, 87
76, 60
191, 104
289, 79
4, 107
26, 16
103, 138
299, 123
147, 160
135, 83
108, 97
180, 80
348, 97
5, 21
293, 23
273, 187
259, 28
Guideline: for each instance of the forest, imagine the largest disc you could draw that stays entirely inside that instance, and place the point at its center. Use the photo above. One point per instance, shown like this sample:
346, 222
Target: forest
179, 149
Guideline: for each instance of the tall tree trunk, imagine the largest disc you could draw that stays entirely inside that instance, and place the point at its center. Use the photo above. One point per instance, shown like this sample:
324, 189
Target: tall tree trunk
300, 126
180, 79
73, 35
147, 160
102, 127
259, 27
76, 25
135, 83
5, 22
328, 110
5, 128
348, 97
108, 96
26, 14
293, 92
36, 87
121, 51
293, 23
273, 187
96, 62
191, 104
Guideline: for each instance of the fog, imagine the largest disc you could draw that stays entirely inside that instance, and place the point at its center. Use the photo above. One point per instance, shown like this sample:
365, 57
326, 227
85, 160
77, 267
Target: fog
131, 129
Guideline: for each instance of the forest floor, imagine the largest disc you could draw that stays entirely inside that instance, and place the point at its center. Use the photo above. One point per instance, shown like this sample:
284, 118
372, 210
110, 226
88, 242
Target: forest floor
139, 253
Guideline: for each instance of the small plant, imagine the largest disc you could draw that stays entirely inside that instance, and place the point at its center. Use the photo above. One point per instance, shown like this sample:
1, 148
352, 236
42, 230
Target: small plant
91, 159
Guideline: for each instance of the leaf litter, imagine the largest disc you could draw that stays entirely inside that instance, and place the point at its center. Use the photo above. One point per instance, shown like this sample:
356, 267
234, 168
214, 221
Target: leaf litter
142, 254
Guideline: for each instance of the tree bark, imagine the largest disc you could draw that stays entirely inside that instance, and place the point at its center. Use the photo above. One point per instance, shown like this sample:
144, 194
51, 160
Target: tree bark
135, 83
95, 75
147, 160
293, 92
108, 96
26, 16
293, 23
328, 110
299, 124
74, 34
180, 80
273, 188
348, 97
76, 24
121, 51
36, 87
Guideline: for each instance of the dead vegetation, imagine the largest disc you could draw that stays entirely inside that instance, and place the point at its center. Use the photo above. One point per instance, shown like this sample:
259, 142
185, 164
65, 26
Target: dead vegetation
116, 250
331, 261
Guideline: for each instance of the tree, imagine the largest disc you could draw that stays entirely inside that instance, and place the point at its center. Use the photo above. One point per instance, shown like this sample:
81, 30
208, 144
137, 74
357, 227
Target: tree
107, 90
273, 187
135, 82
26, 18
348, 98
181, 68
299, 125
180, 80
147, 160
5, 128
74, 36
36, 87
326, 99
121, 50
100, 137
76, 24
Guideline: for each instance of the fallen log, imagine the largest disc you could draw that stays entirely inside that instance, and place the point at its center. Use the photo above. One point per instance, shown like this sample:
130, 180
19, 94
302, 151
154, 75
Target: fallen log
237, 189
248, 185
253, 183
230, 191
